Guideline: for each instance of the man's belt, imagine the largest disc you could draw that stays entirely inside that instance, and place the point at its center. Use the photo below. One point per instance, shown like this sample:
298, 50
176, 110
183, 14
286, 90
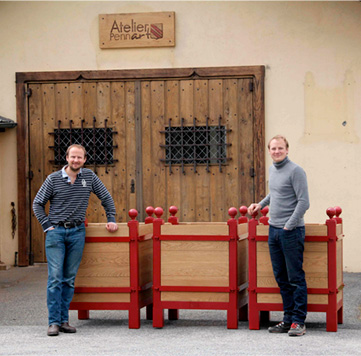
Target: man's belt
69, 224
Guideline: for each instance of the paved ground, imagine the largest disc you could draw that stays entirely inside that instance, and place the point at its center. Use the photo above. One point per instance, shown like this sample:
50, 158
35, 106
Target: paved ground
23, 325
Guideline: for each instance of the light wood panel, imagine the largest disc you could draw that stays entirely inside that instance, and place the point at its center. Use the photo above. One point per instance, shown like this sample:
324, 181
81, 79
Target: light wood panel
185, 263
101, 298
194, 297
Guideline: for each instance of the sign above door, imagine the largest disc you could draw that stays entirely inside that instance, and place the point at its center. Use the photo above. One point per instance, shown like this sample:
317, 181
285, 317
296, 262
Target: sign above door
150, 29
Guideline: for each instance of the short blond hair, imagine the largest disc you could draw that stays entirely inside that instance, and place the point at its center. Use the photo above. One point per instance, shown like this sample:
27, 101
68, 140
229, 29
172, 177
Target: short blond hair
76, 146
278, 137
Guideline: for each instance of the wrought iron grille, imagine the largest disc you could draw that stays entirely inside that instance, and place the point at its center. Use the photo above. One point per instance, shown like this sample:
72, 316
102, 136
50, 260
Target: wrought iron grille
98, 143
195, 145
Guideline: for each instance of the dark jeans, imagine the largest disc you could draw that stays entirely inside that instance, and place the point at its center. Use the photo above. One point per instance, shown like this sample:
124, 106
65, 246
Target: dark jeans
64, 250
286, 249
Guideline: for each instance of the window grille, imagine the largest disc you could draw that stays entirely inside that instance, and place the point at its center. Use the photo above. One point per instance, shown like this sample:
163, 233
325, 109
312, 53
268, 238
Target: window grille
98, 143
195, 145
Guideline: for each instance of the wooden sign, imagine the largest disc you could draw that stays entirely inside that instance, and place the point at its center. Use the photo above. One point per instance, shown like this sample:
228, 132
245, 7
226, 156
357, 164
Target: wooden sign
151, 29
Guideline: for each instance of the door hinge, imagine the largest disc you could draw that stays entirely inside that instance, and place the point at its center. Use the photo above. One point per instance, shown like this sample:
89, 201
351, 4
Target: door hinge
252, 172
28, 92
31, 175
251, 87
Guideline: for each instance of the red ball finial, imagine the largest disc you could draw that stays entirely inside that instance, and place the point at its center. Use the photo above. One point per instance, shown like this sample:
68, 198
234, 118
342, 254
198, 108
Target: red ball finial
338, 211
173, 210
133, 213
232, 212
331, 212
149, 210
265, 211
243, 210
158, 212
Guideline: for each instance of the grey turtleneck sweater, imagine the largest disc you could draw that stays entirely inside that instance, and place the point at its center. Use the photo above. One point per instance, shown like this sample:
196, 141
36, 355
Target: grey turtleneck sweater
288, 197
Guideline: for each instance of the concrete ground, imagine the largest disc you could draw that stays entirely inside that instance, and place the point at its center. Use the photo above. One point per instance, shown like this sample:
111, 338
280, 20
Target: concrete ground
23, 326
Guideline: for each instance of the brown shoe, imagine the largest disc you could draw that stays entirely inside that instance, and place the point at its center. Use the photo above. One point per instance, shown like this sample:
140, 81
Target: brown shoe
66, 328
53, 330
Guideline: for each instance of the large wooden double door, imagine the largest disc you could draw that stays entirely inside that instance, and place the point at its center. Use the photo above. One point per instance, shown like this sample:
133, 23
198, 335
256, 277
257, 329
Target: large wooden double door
158, 124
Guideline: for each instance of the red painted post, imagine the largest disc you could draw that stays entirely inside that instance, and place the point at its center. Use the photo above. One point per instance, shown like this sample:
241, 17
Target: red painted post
173, 314
158, 315
233, 311
150, 211
243, 219
173, 219
253, 312
83, 314
264, 219
134, 308
331, 314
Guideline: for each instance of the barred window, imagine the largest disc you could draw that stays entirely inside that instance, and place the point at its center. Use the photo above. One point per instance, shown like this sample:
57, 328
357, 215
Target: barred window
195, 145
98, 143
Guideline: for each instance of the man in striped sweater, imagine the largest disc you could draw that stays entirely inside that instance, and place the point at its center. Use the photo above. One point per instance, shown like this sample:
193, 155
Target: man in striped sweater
68, 191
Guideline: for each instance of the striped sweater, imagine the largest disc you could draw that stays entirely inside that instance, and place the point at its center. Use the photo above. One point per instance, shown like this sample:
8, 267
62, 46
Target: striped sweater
68, 202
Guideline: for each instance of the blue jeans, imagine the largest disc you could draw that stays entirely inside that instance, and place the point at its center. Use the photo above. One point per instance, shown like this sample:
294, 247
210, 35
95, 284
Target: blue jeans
64, 250
286, 249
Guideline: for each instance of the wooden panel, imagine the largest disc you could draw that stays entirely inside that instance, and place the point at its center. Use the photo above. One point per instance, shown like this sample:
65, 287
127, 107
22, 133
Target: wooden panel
130, 146
99, 230
276, 298
232, 196
157, 122
36, 133
191, 266
262, 230
172, 111
145, 229
107, 247
89, 112
147, 145
195, 246
188, 188
49, 126
242, 252
215, 230
101, 298
316, 230
217, 180
120, 188
246, 155
194, 297
339, 262
201, 179
339, 295
104, 265
242, 229
103, 102
339, 231
145, 262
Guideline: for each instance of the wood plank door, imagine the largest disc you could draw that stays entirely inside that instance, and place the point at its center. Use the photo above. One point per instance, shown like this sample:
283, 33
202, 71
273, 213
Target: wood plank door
81, 109
204, 188
159, 121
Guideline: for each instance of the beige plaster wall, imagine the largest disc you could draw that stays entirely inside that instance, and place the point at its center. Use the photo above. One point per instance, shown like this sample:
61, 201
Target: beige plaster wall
312, 55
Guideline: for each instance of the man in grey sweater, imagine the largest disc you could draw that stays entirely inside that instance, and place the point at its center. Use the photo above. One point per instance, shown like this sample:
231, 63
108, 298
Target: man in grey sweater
288, 201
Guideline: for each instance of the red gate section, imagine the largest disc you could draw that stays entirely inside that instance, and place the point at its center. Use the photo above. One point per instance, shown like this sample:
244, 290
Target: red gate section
199, 266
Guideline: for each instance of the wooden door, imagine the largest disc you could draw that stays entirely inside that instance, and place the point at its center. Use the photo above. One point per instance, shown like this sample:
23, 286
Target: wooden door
141, 108
202, 192
85, 107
